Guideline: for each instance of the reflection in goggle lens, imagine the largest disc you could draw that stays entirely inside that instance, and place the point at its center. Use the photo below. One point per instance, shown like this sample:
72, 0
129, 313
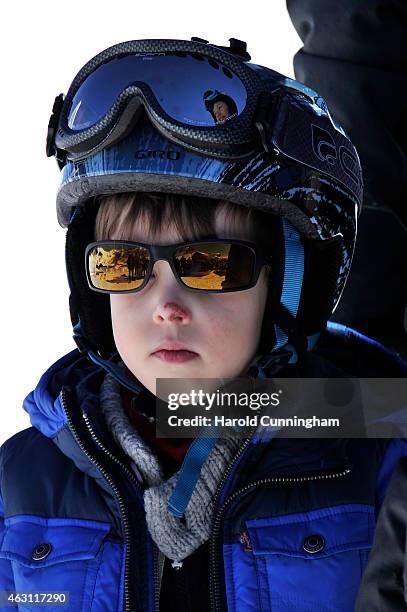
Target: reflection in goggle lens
197, 93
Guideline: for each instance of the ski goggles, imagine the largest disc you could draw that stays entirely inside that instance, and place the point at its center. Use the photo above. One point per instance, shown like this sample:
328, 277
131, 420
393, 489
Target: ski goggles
122, 266
196, 94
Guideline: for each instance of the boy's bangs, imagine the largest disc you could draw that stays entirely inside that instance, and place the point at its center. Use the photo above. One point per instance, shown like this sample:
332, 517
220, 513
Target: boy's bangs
120, 214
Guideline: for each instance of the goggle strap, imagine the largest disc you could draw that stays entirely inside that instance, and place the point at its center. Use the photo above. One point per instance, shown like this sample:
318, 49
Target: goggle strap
265, 118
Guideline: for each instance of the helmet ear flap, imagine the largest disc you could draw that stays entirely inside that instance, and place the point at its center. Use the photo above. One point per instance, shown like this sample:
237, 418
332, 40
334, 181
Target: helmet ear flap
88, 307
322, 263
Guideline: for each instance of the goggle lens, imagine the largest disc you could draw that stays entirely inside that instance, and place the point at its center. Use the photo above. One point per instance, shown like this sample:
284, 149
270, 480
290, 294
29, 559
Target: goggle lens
191, 88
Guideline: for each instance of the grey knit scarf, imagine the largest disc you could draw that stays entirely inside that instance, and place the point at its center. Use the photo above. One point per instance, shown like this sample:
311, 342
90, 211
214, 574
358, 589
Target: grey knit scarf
176, 538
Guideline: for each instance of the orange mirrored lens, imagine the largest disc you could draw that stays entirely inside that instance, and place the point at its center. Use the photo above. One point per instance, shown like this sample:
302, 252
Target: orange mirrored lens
117, 268
214, 266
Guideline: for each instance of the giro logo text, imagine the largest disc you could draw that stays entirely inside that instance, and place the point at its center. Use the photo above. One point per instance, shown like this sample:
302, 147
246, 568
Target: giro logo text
157, 154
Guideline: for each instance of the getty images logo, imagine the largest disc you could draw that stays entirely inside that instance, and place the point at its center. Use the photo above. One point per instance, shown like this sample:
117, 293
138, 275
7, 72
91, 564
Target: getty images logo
327, 151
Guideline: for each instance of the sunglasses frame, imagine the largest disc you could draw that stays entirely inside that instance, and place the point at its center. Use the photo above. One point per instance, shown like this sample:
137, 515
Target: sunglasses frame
262, 256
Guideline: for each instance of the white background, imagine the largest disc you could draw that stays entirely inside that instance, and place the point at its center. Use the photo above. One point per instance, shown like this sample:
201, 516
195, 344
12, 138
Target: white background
43, 46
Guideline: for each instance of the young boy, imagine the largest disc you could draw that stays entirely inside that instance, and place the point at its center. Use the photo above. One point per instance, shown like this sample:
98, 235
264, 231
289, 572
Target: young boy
98, 509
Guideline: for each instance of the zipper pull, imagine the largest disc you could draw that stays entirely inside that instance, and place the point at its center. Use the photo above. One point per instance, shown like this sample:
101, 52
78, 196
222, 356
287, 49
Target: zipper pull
177, 564
244, 539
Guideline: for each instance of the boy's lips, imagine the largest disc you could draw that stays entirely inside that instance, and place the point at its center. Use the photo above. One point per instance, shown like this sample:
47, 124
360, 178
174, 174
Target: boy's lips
172, 345
173, 352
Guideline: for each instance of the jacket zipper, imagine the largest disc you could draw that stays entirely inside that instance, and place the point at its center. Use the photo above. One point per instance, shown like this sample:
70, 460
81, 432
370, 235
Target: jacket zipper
213, 573
119, 497
214, 584
159, 560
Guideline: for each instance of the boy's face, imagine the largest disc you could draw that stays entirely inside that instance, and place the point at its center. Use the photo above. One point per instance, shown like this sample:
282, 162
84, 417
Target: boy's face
221, 330
221, 111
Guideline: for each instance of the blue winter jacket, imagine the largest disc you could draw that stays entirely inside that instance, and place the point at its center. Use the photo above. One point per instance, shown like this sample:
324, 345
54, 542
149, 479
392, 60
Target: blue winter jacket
293, 523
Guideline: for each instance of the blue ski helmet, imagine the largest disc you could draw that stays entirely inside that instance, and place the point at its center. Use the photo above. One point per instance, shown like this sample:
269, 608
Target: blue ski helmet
135, 119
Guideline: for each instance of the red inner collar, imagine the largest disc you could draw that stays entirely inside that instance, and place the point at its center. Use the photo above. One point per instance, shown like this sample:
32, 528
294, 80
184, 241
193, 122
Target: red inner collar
170, 451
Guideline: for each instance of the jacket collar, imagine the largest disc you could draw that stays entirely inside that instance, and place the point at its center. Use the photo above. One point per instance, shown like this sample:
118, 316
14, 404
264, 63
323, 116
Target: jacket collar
74, 375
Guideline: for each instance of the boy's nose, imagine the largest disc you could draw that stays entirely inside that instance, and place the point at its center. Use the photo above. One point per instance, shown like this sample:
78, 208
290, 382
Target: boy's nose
170, 305
172, 311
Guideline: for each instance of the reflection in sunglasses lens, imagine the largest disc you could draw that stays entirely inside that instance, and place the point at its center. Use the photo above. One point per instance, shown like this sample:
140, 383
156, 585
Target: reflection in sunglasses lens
208, 266
117, 268
214, 266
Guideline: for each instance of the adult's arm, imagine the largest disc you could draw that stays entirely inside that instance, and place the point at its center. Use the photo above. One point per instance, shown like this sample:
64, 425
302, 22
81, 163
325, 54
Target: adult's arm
355, 56
382, 586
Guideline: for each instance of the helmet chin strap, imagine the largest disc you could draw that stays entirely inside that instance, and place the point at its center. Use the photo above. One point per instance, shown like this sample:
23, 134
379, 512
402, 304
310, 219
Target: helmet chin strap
268, 364
107, 364
261, 366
